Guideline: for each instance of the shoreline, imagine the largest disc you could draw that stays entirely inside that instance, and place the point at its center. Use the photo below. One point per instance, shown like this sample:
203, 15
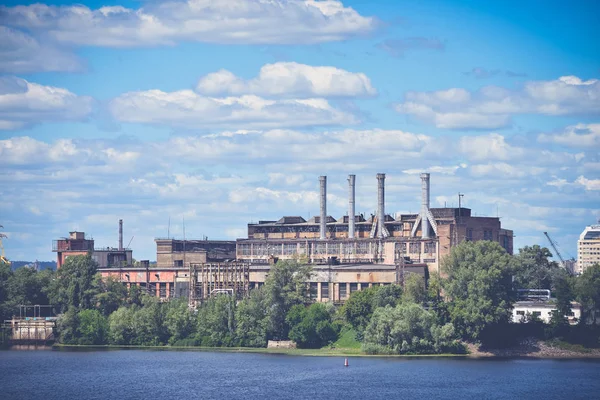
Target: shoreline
544, 352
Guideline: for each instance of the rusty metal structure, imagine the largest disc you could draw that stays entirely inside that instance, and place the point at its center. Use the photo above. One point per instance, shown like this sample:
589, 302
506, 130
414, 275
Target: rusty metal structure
209, 279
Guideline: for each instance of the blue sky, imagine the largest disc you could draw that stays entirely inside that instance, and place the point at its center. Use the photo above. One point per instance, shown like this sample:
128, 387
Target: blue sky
222, 113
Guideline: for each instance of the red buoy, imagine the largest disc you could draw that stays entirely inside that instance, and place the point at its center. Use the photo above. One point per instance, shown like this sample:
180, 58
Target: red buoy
346, 362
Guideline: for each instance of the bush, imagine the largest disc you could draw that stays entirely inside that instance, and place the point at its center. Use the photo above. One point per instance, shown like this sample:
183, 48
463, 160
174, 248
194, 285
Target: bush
408, 329
311, 327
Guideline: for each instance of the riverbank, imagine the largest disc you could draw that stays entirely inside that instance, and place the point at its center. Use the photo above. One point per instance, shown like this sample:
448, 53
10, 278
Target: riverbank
527, 349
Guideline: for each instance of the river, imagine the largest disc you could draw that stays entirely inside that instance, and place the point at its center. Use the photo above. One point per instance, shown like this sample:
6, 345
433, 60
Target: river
141, 374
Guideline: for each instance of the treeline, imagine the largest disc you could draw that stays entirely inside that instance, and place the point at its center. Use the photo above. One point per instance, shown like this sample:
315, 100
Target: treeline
472, 303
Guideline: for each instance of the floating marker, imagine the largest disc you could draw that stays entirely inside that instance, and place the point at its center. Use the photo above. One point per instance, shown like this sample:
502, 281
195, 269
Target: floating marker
346, 362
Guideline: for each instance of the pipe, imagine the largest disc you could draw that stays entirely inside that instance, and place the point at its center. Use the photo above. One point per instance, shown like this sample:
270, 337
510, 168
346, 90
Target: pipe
323, 218
380, 204
424, 205
120, 235
351, 194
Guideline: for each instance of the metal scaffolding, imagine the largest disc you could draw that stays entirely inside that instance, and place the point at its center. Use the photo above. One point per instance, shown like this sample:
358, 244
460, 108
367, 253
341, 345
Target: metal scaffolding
209, 279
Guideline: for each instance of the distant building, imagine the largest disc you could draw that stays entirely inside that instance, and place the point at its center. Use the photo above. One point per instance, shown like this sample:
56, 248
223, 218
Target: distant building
588, 248
75, 245
106, 257
543, 310
174, 253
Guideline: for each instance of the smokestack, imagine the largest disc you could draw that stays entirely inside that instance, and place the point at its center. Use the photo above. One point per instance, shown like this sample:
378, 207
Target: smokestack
351, 193
380, 204
323, 218
120, 235
424, 205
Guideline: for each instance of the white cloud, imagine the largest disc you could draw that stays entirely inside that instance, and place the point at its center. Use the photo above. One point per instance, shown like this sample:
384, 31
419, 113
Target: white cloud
187, 109
492, 107
289, 79
488, 147
22, 53
588, 184
580, 135
160, 23
23, 104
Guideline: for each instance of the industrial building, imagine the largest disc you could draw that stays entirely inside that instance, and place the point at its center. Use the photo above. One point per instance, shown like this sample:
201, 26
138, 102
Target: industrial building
106, 257
411, 238
347, 254
588, 248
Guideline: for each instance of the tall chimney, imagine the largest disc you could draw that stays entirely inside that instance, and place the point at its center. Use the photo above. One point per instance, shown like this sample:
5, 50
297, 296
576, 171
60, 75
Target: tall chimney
323, 217
351, 193
120, 235
424, 205
380, 204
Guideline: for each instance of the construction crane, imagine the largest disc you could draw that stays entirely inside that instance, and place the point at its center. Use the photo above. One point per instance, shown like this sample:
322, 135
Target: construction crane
554, 244
2, 257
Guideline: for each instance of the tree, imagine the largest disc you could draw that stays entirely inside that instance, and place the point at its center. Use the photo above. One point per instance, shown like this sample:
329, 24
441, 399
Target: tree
93, 327
357, 310
587, 291
75, 285
408, 329
111, 294
216, 322
478, 286
284, 287
251, 320
122, 326
533, 268
149, 323
414, 289
179, 320
311, 327
388, 295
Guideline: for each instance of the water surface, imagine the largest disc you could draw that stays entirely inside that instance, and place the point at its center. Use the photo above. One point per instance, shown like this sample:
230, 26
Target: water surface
137, 374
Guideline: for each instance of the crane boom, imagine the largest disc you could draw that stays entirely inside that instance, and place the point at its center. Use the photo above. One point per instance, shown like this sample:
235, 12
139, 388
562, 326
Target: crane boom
553, 244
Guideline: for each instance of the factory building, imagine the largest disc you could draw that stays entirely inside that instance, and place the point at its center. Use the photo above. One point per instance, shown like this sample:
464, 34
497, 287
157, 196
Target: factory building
410, 238
347, 254
78, 244
588, 248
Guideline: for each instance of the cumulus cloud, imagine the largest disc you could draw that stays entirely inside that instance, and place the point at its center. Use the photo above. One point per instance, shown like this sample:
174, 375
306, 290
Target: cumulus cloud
488, 147
23, 104
22, 53
290, 79
169, 22
492, 106
398, 47
187, 109
580, 135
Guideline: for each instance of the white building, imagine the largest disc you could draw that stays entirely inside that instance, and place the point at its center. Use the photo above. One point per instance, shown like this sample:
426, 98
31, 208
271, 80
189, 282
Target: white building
588, 248
543, 310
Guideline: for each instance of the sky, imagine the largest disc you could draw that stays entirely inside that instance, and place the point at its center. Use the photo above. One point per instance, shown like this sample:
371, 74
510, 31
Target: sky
214, 114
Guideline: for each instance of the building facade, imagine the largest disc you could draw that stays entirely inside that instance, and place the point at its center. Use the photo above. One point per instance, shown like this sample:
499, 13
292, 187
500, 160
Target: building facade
588, 248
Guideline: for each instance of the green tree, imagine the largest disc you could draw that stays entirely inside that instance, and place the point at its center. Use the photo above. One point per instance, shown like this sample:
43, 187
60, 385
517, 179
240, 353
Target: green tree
414, 289
216, 322
478, 286
285, 287
357, 310
179, 320
408, 329
533, 268
75, 285
5, 275
93, 327
111, 294
388, 295
311, 327
587, 291
149, 323
122, 326
251, 320
67, 327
